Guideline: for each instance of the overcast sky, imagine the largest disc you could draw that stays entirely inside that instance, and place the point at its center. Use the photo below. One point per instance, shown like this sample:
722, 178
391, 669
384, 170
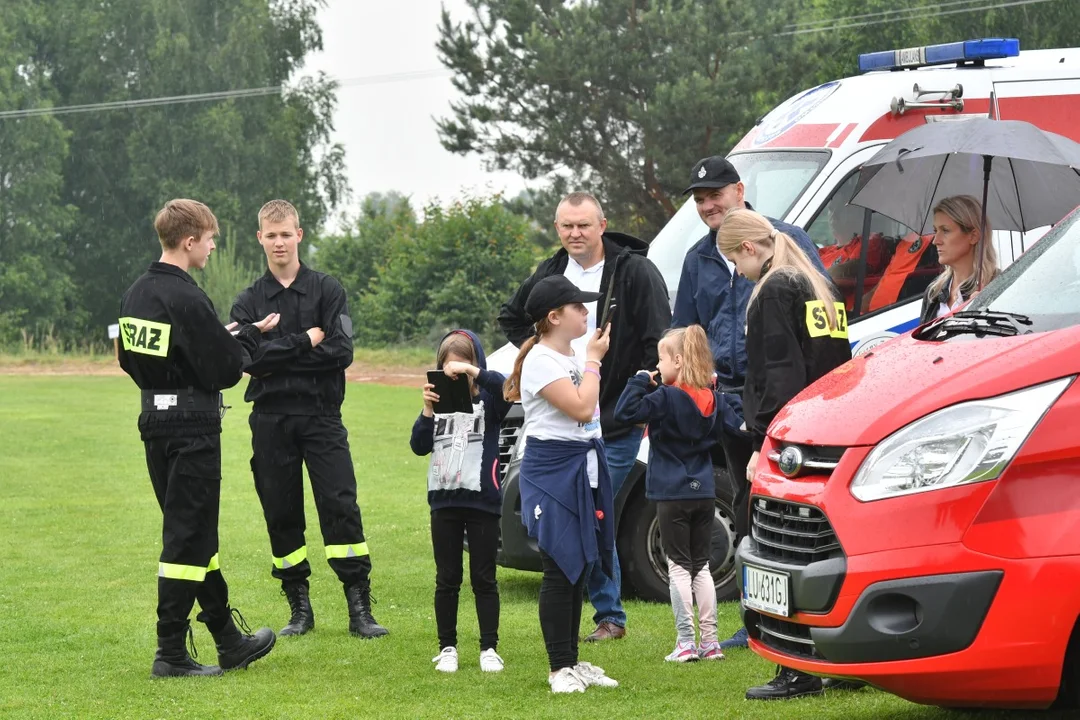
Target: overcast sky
388, 128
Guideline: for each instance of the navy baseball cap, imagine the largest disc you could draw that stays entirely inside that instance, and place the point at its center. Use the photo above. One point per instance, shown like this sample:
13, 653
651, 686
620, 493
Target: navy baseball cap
712, 172
552, 293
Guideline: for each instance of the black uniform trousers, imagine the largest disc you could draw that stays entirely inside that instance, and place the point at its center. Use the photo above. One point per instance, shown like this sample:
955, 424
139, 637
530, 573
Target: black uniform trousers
186, 475
281, 446
738, 449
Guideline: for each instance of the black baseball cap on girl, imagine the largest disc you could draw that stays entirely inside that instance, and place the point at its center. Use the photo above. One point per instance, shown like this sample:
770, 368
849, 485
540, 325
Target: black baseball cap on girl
552, 293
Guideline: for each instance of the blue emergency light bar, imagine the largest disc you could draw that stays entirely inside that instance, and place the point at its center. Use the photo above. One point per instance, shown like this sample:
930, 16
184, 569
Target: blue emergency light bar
957, 52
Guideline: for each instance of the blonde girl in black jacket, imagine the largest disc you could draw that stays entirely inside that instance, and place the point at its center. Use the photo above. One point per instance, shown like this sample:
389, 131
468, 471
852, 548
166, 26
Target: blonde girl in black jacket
796, 332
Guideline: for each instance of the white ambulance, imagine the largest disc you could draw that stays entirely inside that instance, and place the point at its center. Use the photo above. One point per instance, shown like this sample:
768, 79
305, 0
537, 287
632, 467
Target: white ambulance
800, 163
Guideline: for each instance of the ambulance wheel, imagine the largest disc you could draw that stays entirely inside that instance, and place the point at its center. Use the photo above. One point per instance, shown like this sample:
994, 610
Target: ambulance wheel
641, 554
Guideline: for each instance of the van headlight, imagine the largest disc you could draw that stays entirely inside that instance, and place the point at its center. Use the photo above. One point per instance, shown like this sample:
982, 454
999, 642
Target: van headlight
966, 443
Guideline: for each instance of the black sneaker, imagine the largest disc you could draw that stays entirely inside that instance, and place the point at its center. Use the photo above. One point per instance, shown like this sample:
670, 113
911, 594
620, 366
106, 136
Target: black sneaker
787, 684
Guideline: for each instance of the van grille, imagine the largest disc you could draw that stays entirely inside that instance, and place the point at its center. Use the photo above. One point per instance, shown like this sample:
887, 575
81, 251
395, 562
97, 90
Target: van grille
793, 533
787, 637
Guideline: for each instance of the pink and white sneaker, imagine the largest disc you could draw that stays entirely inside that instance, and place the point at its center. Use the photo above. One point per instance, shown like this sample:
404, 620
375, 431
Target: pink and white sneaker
710, 651
683, 652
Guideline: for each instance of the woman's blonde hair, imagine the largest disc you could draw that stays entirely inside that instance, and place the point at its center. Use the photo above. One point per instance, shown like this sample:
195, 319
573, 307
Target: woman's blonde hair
512, 386
693, 344
966, 211
742, 225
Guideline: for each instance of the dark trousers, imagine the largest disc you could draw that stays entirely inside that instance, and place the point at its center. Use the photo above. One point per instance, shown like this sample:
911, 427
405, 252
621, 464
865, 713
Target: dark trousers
449, 526
737, 451
686, 532
281, 446
186, 475
560, 613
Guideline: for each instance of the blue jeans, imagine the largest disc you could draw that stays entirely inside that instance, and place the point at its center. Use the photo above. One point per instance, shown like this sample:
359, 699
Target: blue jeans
604, 591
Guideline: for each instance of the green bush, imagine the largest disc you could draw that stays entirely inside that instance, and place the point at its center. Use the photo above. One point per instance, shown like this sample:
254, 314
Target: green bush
225, 275
354, 258
455, 269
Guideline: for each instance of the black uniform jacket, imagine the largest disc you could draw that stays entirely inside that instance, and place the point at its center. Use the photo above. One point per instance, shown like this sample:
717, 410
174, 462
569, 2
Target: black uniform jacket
642, 316
789, 345
288, 376
171, 339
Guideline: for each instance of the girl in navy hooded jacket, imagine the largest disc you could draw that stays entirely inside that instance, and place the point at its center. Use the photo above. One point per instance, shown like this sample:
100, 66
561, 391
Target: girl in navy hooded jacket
464, 494
681, 414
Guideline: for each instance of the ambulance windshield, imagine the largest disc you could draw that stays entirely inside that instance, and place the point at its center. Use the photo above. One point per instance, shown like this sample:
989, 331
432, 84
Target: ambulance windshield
774, 180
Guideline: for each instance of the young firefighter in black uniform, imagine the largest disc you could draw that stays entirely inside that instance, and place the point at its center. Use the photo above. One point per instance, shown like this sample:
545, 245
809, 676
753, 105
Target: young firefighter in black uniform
177, 351
297, 387
796, 332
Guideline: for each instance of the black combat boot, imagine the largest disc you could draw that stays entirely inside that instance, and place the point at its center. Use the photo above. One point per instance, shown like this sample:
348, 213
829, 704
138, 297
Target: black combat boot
302, 618
236, 649
172, 658
361, 622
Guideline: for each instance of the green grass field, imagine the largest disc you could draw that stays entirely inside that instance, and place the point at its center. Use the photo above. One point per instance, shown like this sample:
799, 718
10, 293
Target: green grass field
80, 536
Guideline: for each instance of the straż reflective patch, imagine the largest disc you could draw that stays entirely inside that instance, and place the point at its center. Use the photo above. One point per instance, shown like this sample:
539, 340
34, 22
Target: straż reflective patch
346, 325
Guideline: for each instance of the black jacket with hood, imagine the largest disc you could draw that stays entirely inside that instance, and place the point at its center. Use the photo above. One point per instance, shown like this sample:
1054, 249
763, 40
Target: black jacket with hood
485, 493
632, 282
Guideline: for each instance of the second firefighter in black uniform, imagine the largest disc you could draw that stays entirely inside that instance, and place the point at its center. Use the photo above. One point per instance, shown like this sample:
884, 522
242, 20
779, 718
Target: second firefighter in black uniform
297, 387
180, 355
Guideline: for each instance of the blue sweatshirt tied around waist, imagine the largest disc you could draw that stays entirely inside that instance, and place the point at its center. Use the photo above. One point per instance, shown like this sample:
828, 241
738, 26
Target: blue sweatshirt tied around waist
572, 522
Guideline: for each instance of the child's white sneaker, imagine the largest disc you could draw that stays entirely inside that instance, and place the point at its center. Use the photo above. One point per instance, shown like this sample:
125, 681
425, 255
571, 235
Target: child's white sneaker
594, 675
710, 651
683, 652
567, 680
446, 661
490, 661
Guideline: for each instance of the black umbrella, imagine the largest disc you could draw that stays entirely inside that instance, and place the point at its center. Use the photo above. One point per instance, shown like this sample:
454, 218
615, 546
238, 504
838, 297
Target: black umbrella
1026, 177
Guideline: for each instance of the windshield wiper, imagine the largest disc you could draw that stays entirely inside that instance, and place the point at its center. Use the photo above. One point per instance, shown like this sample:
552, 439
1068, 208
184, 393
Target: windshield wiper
996, 316
979, 323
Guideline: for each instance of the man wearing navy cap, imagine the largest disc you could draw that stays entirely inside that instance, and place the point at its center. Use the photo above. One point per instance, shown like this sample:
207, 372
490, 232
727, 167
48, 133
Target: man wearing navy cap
712, 295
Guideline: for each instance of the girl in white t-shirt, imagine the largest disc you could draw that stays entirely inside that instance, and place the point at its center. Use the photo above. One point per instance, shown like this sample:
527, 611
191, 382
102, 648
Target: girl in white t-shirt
559, 393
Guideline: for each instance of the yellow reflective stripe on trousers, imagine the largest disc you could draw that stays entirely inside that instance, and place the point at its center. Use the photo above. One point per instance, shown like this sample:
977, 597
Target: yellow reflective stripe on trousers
181, 572
346, 551
294, 558
214, 564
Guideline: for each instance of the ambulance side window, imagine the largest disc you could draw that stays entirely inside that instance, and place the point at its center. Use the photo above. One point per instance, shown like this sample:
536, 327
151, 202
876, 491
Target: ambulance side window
899, 263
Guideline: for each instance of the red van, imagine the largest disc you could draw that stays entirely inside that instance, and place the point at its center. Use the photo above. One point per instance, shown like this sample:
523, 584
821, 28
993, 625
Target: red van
917, 524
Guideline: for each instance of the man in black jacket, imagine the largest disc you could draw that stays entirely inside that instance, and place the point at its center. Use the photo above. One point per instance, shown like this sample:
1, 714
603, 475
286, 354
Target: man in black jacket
297, 387
180, 355
634, 300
